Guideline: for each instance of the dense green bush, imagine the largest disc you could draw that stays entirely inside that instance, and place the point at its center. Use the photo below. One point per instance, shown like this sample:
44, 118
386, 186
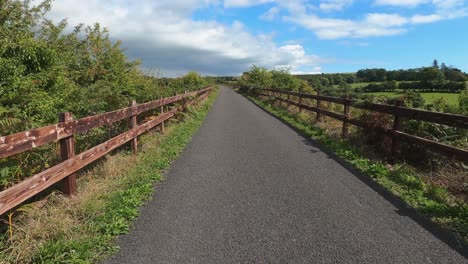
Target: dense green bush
433, 86
381, 87
46, 70
260, 77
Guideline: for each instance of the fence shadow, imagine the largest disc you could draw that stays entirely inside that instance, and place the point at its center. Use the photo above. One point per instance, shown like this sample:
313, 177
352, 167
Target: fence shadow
403, 208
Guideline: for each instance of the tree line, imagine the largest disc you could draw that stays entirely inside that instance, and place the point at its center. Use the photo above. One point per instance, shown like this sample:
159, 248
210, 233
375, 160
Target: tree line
441, 78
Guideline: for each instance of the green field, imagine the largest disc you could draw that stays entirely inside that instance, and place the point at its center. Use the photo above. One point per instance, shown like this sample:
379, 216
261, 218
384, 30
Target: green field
451, 98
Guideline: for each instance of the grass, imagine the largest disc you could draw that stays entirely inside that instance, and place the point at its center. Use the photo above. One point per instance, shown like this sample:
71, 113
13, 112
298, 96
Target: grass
451, 98
83, 228
432, 201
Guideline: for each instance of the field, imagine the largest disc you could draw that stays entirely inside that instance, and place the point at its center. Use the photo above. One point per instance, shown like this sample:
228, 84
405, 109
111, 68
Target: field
451, 98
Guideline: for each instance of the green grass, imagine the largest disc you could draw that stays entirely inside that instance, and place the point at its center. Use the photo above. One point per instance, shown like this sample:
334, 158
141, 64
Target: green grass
83, 228
432, 201
451, 98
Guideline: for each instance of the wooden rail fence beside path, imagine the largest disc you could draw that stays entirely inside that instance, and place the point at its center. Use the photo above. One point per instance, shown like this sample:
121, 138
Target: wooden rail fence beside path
64, 132
397, 111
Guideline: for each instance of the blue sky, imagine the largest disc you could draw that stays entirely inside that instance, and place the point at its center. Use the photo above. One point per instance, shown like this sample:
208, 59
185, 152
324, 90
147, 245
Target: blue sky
218, 37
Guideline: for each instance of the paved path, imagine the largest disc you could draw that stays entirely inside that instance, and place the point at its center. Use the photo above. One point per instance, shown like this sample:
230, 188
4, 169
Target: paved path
248, 189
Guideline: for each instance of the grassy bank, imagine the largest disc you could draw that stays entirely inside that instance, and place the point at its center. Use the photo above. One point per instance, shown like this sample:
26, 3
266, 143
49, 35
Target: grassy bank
432, 201
83, 228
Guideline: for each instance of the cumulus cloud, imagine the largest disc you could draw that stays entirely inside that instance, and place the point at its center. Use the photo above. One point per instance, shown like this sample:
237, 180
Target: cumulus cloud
375, 24
163, 34
372, 24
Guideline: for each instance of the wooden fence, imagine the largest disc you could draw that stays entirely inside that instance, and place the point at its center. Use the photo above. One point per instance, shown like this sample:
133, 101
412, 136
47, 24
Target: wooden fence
64, 132
398, 112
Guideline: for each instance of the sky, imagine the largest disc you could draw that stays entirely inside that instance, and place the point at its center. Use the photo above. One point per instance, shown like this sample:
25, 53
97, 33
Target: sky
226, 37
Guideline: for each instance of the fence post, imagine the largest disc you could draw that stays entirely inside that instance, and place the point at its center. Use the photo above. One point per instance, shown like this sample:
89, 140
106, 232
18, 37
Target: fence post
300, 103
396, 127
319, 116
67, 151
346, 114
288, 104
133, 125
162, 123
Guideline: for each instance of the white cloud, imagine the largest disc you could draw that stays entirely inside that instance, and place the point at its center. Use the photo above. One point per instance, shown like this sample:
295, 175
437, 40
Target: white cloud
405, 3
271, 14
385, 20
245, 3
373, 24
334, 5
424, 19
163, 34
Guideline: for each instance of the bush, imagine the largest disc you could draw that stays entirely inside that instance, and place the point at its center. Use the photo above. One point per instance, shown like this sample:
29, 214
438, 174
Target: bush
413, 99
463, 101
382, 87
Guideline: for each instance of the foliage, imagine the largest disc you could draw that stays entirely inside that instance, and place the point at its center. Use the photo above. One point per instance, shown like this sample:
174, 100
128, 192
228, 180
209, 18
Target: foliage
83, 228
433, 78
259, 77
463, 101
46, 70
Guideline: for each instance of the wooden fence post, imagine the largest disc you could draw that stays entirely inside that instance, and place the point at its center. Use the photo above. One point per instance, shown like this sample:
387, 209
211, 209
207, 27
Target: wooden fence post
300, 103
319, 116
67, 151
162, 123
346, 114
288, 104
396, 127
133, 124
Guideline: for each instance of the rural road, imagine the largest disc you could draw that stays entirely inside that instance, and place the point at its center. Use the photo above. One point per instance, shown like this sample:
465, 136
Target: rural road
249, 189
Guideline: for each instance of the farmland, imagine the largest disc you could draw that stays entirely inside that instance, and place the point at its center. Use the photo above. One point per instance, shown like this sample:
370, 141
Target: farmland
450, 98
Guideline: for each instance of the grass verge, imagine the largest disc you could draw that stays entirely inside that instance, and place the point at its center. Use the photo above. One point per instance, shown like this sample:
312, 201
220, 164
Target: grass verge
432, 201
83, 228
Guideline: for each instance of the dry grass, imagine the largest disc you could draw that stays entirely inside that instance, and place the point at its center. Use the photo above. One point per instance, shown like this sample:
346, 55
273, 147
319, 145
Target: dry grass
55, 215
60, 216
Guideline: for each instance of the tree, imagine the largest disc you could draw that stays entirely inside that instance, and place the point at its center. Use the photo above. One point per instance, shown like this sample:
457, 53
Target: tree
435, 64
431, 77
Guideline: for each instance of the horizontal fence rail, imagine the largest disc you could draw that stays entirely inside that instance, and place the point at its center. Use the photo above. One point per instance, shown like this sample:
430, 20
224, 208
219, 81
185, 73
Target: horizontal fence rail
64, 132
398, 112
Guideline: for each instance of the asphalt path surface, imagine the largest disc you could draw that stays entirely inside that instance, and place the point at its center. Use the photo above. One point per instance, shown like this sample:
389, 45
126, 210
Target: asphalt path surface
249, 189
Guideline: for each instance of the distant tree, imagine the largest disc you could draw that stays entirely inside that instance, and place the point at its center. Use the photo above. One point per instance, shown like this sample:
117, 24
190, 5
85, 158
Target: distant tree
381, 75
443, 67
435, 64
431, 75
454, 74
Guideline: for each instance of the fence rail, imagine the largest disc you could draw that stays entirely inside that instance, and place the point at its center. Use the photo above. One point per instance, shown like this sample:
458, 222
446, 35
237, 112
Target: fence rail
64, 132
398, 112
